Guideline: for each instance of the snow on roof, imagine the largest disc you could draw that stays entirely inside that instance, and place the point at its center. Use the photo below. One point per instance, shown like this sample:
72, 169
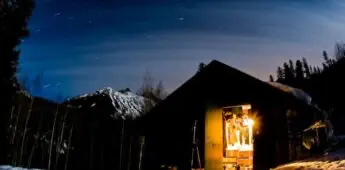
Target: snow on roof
330, 161
298, 93
126, 104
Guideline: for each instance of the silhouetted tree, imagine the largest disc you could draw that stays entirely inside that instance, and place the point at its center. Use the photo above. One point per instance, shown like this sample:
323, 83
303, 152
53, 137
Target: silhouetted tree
271, 78
280, 74
153, 93
288, 74
324, 83
339, 51
311, 70
328, 61
318, 70
299, 73
292, 68
160, 90
201, 66
306, 68
146, 91
13, 28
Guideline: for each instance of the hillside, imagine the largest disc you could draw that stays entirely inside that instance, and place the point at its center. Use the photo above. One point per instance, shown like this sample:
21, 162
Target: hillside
86, 128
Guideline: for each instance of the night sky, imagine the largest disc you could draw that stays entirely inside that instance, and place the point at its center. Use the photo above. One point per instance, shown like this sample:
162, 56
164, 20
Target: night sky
84, 45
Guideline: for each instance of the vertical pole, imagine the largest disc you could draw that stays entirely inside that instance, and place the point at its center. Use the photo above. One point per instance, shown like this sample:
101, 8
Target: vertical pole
193, 145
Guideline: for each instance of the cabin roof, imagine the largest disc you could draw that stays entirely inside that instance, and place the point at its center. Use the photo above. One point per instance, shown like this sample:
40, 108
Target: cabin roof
218, 84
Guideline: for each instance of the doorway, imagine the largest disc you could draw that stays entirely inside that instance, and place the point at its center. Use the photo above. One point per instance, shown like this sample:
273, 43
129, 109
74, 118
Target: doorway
238, 127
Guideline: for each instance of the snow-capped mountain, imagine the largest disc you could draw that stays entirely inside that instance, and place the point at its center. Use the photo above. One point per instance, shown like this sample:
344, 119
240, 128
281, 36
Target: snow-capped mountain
124, 104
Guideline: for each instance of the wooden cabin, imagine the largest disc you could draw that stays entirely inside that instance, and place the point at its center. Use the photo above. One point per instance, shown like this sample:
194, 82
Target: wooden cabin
239, 122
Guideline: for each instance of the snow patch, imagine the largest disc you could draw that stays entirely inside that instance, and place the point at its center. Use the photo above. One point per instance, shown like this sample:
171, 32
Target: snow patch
331, 161
9, 167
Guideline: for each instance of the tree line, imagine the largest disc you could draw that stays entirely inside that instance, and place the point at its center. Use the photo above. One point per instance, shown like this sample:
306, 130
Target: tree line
325, 83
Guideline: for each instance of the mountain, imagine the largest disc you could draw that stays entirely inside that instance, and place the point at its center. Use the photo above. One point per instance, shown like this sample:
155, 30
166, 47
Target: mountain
118, 104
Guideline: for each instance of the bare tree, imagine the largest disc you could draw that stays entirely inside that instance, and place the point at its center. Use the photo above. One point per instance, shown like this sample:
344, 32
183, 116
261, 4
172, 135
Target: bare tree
121, 145
141, 151
37, 138
147, 91
160, 90
153, 93
147, 85
59, 144
69, 146
52, 138
129, 153
25, 130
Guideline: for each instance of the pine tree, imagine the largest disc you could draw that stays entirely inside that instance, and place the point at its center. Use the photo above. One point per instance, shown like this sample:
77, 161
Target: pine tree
13, 28
311, 70
339, 51
318, 70
315, 70
291, 74
201, 66
288, 74
299, 73
327, 61
292, 68
271, 78
280, 75
306, 67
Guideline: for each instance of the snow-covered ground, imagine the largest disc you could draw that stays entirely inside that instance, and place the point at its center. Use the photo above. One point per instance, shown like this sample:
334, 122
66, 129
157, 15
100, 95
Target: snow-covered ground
330, 161
8, 167
126, 104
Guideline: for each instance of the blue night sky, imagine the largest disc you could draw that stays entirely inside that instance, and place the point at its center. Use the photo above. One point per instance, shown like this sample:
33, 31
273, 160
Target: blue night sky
84, 45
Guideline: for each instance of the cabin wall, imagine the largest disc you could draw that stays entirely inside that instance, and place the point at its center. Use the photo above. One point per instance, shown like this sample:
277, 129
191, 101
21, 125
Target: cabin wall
169, 141
271, 143
214, 139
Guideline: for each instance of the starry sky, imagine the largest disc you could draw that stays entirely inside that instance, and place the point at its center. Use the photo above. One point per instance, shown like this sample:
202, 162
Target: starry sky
83, 45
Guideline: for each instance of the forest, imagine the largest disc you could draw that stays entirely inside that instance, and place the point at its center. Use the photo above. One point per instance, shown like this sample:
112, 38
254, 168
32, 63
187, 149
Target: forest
324, 83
